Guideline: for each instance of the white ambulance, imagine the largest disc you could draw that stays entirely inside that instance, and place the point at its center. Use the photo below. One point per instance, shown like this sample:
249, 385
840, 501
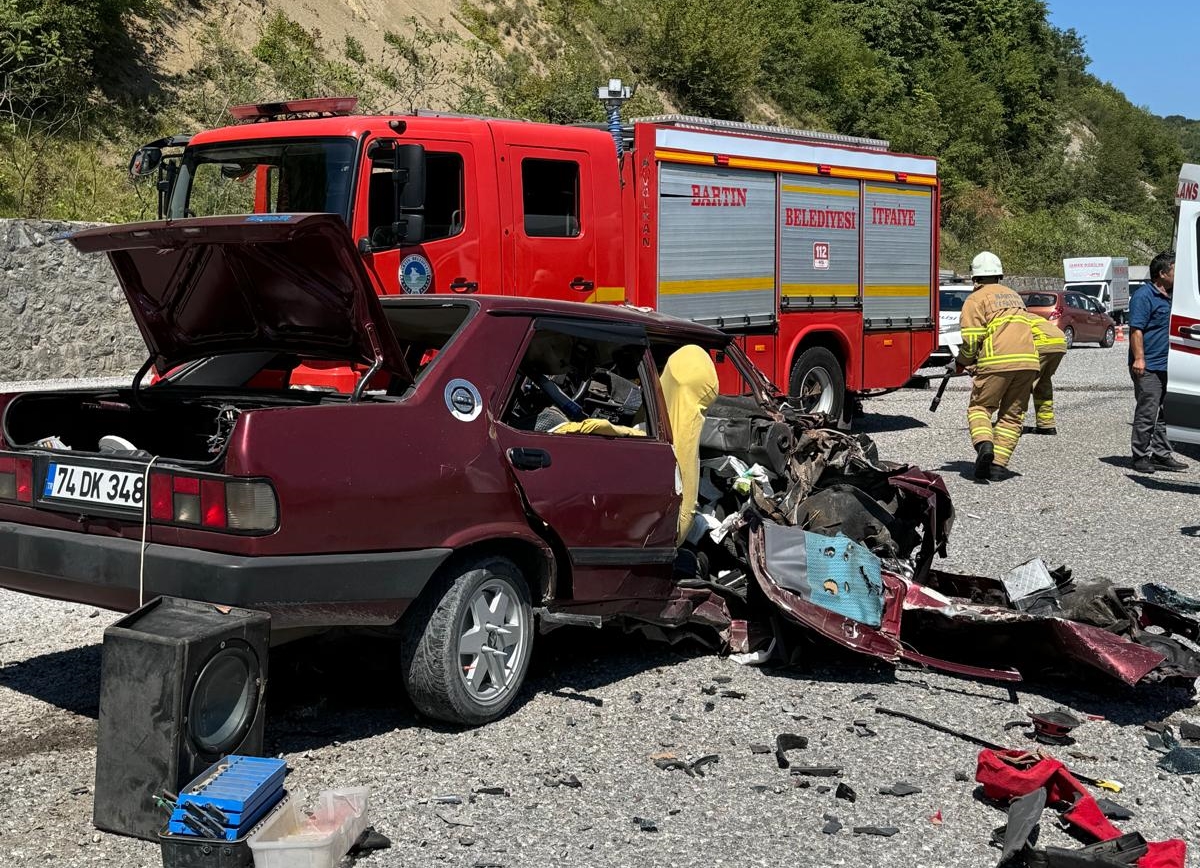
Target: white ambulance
1183, 359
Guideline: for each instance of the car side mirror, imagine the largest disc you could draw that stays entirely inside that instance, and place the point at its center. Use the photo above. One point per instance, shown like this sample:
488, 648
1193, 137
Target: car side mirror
145, 161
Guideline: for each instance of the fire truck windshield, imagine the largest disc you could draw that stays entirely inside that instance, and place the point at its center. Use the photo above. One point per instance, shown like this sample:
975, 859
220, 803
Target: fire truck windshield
266, 176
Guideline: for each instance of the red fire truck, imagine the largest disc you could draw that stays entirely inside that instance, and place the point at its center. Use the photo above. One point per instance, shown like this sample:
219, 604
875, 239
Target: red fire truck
818, 250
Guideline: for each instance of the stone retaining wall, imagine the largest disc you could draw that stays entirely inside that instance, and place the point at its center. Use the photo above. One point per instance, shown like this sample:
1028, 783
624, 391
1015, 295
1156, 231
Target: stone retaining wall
62, 313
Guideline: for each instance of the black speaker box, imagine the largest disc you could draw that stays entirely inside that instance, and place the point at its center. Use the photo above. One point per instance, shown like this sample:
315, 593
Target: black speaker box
181, 685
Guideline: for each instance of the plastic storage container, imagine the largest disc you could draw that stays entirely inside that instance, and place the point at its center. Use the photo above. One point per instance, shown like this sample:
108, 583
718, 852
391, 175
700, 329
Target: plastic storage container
289, 838
190, 851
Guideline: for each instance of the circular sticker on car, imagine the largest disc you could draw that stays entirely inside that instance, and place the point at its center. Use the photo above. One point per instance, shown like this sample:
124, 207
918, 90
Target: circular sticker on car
416, 274
463, 400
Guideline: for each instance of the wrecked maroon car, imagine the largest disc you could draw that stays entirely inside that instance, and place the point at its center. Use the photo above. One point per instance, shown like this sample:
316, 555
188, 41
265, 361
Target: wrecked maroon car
433, 496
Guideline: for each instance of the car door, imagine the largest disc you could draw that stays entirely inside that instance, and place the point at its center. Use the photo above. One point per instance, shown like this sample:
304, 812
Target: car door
458, 251
1182, 407
1076, 316
610, 502
1097, 318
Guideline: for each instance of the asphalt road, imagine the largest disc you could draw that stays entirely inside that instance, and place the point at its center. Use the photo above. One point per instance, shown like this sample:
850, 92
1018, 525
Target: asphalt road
599, 705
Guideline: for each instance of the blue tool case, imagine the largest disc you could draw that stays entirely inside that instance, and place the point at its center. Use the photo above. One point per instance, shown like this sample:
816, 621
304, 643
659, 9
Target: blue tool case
228, 798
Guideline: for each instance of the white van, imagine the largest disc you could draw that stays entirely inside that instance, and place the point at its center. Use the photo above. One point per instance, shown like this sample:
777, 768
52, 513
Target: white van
1182, 408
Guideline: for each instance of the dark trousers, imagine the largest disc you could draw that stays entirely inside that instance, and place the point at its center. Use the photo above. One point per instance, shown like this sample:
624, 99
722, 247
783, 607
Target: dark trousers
1149, 430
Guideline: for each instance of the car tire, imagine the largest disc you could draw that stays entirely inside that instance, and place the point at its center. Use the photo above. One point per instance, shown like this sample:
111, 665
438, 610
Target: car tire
817, 384
466, 642
1110, 337
1069, 334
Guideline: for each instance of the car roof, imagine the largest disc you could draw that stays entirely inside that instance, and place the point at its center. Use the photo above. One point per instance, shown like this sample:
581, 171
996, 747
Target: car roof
652, 321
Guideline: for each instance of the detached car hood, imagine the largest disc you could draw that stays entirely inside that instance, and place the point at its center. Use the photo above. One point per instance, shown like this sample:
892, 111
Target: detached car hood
207, 286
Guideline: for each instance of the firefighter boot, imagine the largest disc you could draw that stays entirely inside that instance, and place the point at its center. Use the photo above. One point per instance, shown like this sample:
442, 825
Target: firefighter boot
985, 453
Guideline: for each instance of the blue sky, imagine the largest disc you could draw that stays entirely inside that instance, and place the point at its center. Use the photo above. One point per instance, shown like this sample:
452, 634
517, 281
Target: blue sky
1118, 39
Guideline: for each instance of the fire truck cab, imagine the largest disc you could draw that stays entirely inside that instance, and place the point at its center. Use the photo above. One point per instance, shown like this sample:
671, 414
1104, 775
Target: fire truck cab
818, 251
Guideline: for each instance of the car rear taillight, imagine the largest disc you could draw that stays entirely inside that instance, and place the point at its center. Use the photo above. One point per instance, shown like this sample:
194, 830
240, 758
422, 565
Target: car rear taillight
213, 502
16, 478
1054, 314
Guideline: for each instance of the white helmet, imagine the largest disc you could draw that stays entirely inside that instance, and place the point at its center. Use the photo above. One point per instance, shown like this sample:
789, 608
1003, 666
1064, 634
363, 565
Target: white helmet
986, 264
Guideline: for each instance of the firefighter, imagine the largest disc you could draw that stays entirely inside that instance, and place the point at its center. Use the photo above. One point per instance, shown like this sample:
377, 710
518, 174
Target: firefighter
1051, 345
998, 350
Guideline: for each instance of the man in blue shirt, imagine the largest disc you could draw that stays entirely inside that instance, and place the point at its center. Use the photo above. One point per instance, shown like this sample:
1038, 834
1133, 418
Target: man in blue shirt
1149, 327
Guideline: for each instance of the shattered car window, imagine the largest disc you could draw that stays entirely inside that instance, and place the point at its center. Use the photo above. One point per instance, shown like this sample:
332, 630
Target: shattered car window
581, 383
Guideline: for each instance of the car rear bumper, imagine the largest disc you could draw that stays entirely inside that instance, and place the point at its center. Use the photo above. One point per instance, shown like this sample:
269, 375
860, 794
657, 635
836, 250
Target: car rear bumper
297, 590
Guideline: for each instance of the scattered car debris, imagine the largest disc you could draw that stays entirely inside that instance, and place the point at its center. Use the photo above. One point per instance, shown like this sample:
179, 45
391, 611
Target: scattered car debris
1083, 757
865, 697
1112, 810
882, 831
491, 791
761, 748
699, 765
843, 543
570, 781
452, 820
1177, 759
645, 824
670, 762
1034, 781
936, 819
635, 697
817, 771
1054, 727
1181, 761
832, 825
900, 788
1114, 786
722, 679
369, 840
961, 776
862, 729
784, 742
1189, 731
845, 791
446, 800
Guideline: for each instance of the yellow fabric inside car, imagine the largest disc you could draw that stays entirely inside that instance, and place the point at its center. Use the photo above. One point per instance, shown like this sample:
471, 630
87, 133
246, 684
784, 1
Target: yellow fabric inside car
689, 384
597, 426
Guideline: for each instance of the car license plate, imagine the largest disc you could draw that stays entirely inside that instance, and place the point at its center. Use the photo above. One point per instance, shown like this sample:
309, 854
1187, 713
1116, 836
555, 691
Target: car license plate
117, 488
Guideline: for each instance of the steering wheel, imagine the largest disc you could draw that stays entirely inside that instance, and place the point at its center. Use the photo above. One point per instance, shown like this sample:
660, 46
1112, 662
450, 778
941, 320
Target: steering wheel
559, 398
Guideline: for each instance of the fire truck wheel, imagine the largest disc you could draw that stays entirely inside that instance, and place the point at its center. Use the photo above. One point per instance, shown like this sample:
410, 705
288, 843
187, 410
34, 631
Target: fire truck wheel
466, 642
817, 384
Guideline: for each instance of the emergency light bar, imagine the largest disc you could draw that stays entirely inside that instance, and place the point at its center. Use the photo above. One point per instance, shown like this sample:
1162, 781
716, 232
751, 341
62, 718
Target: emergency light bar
333, 106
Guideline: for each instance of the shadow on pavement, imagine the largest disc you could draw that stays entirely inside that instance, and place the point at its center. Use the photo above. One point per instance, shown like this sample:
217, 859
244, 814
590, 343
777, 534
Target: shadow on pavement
875, 423
965, 469
1124, 462
68, 679
1164, 483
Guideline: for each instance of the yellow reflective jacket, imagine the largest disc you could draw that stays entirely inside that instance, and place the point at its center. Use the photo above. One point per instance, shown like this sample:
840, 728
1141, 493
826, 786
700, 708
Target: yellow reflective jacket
996, 331
1047, 337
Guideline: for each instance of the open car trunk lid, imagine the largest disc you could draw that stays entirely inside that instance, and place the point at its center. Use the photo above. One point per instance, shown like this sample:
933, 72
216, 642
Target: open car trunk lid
291, 283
